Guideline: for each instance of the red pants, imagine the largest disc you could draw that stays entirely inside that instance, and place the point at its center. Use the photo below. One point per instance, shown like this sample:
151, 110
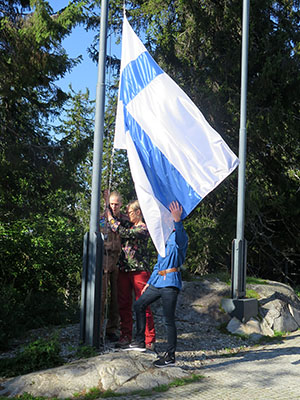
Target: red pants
128, 281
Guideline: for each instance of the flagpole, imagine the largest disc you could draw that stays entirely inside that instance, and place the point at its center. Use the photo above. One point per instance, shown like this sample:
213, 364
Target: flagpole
93, 244
238, 305
240, 244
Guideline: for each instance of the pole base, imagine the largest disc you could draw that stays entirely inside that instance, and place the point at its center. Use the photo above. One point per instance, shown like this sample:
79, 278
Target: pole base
243, 309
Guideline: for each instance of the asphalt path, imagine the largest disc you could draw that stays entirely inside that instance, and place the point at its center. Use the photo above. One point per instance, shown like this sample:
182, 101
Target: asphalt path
265, 372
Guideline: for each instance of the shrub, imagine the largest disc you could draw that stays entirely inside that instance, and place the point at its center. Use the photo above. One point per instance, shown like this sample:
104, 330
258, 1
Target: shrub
40, 354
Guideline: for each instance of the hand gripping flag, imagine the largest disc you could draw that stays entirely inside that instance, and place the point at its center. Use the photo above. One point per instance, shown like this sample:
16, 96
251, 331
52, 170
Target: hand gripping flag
174, 154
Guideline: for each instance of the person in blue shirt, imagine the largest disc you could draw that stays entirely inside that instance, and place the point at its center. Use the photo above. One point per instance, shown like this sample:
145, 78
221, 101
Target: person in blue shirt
165, 283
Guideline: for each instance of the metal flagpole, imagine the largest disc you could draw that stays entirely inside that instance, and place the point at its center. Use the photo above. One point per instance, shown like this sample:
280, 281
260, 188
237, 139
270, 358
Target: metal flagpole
239, 244
93, 244
238, 306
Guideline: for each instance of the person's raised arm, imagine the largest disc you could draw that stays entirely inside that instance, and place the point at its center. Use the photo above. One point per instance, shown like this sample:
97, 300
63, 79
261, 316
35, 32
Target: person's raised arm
176, 211
180, 234
106, 195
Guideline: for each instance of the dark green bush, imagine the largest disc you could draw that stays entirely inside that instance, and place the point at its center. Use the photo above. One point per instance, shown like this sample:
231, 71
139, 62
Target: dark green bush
20, 312
40, 354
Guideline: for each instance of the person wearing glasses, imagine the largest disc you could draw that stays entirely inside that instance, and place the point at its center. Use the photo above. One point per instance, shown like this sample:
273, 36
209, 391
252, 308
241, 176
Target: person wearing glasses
134, 272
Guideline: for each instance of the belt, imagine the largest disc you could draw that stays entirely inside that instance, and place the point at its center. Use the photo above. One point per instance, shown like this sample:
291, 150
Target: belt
164, 272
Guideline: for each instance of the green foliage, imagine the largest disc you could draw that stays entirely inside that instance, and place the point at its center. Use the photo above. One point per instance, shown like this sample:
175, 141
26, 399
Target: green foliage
115, 171
256, 281
279, 334
41, 354
41, 232
210, 231
223, 329
229, 353
75, 137
223, 276
252, 294
184, 381
96, 393
41, 280
26, 396
20, 313
276, 338
297, 290
85, 352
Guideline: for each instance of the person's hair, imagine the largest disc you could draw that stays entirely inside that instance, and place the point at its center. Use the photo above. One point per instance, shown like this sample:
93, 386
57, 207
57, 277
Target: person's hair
116, 194
134, 204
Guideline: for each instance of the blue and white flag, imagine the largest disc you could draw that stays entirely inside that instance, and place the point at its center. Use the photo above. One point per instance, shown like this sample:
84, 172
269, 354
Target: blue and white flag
174, 154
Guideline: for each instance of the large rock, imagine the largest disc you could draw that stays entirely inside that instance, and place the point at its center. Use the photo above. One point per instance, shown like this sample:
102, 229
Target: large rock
279, 310
251, 327
295, 313
279, 306
121, 372
277, 315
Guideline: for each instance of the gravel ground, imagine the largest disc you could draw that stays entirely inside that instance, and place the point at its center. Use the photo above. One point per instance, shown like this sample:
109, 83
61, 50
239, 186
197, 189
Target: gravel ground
198, 344
198, 319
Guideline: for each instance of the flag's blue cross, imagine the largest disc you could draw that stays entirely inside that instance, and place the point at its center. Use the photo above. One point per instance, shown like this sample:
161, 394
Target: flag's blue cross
166, 182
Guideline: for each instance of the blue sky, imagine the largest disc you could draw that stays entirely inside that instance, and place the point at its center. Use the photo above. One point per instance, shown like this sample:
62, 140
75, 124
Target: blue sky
85, 74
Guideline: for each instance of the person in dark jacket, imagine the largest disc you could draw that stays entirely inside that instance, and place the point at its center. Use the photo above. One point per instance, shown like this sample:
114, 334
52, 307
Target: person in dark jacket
112, 251
165, 283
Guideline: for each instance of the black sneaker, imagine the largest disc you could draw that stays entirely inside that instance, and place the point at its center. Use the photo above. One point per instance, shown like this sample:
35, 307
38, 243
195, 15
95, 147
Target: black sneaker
167, 360
137, 346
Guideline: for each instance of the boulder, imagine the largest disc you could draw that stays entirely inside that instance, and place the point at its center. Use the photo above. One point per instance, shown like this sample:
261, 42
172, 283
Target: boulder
279, 310
121, 372
253, 328
279, 306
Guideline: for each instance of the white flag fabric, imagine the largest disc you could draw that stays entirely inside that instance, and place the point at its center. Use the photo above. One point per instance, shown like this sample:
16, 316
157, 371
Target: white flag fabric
174, 154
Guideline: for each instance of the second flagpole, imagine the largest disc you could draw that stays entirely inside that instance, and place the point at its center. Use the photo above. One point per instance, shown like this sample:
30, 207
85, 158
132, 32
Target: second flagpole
93, 244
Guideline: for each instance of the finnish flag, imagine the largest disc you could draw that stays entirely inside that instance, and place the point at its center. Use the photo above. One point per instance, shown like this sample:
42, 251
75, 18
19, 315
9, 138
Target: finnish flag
174, 154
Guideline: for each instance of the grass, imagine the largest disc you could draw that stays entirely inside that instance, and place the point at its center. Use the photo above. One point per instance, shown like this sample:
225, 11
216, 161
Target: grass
96, 393
297, 290
225, 276
277, 337
252, 294
231, 352
256, 281
27, 396
85, 351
